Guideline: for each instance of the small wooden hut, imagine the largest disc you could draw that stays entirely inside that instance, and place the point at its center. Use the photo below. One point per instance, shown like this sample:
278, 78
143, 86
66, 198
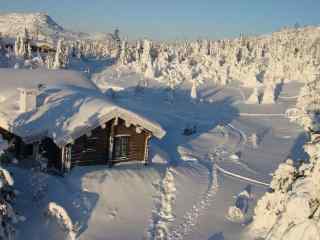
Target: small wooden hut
71, 125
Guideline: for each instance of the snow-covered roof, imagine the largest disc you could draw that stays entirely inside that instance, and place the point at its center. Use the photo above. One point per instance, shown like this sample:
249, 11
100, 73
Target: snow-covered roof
11, 79
69, 107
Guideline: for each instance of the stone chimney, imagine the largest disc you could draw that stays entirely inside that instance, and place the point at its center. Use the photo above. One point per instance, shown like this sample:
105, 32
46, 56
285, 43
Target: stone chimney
28, 99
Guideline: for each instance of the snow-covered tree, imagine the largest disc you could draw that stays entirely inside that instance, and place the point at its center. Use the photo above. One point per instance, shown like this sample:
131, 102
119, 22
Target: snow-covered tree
237, 213
149, 71
146, 54
125, 54
61, 59
193, 93
29, 51
292, 210
283, 177
49, 61
174, 78
22, 46
254, 97
138, 51
269, 94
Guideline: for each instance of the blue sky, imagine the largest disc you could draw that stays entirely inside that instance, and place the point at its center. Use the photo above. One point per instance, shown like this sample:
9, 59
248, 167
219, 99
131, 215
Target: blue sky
174, 19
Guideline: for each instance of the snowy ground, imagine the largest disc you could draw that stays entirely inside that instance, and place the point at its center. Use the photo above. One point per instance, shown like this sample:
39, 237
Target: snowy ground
122, 202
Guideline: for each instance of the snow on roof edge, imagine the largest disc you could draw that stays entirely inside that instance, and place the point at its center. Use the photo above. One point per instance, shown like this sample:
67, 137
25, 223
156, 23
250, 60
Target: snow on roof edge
118, 112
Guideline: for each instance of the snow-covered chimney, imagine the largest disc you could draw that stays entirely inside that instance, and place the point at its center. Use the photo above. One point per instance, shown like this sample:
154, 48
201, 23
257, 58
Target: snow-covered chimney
28, 99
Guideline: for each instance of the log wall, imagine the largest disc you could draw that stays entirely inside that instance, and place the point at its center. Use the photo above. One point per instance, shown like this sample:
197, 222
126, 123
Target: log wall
137, 141
90, 149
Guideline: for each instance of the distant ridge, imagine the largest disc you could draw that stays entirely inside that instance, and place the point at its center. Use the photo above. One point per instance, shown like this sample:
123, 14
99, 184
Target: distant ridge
40, 26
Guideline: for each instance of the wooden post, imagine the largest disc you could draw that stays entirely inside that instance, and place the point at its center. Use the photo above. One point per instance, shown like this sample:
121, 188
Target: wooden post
146, 152
35, 153
66, 158
67, 162
111, 140
62, 158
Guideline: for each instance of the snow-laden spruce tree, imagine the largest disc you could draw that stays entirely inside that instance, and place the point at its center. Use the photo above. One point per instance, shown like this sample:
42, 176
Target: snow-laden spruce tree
149, 70
291, 211
269, 94
138, 51
29, 51
174, 79
22, 46
124, 58
193, 93
49, 61
146, 58
254, 97
238, 212
61, 59
308, 103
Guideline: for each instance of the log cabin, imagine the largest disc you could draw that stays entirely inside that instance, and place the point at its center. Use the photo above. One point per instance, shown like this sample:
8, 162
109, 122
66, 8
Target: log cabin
62, 117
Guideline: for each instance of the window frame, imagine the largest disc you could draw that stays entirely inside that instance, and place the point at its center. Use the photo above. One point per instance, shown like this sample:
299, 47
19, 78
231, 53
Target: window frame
121, 147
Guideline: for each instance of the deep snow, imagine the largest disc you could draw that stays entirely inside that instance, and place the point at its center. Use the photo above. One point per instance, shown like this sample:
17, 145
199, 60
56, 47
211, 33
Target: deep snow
121, 203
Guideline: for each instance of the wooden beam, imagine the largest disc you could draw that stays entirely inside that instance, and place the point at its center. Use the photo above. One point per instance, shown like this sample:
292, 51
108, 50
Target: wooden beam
35, 153
111, 140
66, 158
146, 152
62, 158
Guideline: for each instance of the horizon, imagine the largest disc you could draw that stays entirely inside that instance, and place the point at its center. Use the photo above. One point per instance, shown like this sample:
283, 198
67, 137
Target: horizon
174, 21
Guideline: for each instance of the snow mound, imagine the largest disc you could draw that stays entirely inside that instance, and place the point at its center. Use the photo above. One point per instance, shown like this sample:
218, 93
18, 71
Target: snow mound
59, 214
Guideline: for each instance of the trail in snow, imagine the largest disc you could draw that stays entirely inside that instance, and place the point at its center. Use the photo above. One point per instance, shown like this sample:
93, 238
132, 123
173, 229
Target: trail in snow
162, 215
226, 172
242, 133
289, 97
242, 143
241, 114
191, 217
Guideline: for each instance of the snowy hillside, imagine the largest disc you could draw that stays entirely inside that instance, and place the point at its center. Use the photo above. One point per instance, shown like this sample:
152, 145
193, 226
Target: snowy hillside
39, 25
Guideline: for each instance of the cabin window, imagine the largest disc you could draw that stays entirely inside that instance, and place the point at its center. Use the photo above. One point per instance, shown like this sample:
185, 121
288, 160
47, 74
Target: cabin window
90, 143
121, 147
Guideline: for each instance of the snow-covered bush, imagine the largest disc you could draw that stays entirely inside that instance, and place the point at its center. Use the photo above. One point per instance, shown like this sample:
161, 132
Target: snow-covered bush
237, 213
8, 217
283, 177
